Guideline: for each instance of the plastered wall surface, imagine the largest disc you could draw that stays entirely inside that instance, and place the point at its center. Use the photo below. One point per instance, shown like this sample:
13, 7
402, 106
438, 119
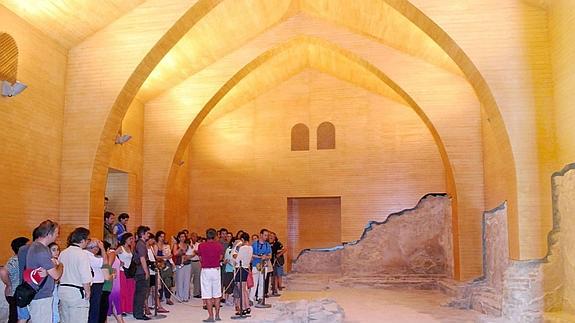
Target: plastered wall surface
561, 20
244, 158
31, 134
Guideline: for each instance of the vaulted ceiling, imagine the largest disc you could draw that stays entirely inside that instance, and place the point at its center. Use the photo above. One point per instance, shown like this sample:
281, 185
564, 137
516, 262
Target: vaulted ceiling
223, 30
69, 22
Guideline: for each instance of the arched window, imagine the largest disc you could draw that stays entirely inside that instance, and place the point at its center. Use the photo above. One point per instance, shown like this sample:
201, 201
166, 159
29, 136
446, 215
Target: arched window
8, 58
326, 136
299, 137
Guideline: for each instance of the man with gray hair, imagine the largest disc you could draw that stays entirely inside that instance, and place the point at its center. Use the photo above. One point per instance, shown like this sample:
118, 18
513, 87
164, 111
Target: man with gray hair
39, 256
74, 291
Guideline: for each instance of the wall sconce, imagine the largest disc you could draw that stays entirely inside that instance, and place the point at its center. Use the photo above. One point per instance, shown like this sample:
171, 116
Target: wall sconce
10, 90
122, 139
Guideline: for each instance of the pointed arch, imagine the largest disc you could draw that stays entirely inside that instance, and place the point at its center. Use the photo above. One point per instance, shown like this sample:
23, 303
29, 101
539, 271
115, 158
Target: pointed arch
404, 7
488, 104
315, 46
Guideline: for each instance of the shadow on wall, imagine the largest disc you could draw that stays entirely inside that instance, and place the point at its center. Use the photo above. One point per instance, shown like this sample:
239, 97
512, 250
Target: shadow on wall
414, 241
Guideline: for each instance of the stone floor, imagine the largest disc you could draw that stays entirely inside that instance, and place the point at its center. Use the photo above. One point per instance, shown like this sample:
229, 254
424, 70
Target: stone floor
360, 305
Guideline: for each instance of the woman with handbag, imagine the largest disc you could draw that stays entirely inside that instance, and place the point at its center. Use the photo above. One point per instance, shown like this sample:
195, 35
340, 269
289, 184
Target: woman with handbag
127, 284
165, 267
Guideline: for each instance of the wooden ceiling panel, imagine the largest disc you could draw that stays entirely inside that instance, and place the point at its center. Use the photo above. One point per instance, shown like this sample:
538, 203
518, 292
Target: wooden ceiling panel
375, 19
223, 30
292, 58
227, 27
70, 21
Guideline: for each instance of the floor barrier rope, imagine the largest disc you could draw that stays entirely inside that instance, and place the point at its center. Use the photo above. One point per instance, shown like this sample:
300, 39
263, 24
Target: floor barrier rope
192, 305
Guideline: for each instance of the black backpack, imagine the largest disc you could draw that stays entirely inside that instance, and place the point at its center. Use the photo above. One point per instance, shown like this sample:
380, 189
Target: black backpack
25, 293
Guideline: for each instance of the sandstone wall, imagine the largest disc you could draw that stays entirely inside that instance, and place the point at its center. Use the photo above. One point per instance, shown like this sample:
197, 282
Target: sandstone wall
535, 290
485, 293
414, 241
496, 247
564, 200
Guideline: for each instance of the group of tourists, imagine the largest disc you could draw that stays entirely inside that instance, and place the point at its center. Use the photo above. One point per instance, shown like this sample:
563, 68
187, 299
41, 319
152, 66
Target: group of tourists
137, 273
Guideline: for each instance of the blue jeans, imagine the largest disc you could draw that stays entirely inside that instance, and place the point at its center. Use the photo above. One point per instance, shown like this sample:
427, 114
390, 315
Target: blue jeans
55, 303
23, 313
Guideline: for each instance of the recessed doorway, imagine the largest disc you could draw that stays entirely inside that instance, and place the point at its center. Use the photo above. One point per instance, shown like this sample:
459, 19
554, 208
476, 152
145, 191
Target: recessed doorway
313, 222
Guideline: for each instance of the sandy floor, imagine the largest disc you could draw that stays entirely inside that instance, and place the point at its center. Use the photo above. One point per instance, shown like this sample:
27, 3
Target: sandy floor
360, 305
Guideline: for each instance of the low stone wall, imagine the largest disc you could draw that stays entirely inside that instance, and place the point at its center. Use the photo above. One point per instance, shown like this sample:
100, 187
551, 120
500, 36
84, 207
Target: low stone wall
485, 294
418, 241
414, 241
539, 290
319, 261
564, 226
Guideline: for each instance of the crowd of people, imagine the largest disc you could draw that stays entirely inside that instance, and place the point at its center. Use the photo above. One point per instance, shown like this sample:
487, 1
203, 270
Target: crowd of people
138, 273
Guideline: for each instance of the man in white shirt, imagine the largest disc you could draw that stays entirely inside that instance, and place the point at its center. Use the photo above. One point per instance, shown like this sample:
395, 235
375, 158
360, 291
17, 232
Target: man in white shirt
74, 291
93, 249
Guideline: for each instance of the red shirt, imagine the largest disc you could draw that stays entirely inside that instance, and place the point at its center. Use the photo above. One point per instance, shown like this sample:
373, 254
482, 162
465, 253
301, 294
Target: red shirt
210, 253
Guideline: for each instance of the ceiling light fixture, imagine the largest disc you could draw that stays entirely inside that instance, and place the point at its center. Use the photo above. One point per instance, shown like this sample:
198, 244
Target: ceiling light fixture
10, 90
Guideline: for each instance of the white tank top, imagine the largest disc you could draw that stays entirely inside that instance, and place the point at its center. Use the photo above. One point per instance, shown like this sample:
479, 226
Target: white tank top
125, 257
151, 257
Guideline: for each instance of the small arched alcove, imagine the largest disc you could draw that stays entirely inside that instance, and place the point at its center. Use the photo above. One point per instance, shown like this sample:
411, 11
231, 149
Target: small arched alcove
299, 137
8, 58
326, 136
